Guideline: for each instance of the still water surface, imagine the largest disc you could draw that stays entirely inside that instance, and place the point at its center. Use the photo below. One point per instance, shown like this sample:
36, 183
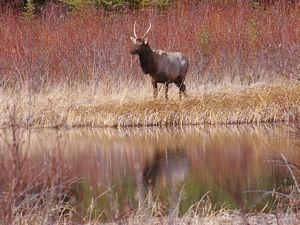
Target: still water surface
178, 165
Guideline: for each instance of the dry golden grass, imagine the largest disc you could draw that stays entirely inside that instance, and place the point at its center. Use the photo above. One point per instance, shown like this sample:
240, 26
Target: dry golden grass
50, 212
112, 104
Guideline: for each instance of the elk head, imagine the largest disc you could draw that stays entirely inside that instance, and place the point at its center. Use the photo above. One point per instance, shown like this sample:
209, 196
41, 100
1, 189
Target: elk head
140, 43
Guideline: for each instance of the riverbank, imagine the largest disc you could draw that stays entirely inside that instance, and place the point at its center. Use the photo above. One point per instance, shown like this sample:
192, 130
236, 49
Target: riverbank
131, 104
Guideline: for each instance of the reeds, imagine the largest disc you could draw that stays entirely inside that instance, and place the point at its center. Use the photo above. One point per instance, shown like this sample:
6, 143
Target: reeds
118, 105
50, 212
74, 68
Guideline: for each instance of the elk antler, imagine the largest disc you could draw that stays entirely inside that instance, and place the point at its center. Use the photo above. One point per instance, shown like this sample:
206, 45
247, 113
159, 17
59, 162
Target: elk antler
134, 32
147, 31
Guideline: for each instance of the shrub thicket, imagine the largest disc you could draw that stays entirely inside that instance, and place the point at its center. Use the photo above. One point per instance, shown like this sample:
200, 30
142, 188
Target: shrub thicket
230, 40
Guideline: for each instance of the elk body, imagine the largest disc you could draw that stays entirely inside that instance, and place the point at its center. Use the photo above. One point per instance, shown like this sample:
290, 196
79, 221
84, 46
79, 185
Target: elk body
163, 67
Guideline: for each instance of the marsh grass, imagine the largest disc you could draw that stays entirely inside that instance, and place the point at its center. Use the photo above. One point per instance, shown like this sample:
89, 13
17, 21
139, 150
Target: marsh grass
131, 104
73, 69
68, 69
52, 211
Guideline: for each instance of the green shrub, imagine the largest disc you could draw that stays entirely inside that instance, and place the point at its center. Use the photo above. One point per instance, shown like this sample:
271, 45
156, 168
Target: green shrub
163, 3
76, 4
28, 5
114, 4
29, 9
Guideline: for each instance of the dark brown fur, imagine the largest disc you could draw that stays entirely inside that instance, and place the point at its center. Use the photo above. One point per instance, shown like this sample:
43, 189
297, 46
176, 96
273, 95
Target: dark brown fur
163, 67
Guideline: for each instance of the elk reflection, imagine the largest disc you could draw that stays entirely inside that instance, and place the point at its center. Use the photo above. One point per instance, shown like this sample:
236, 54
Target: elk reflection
169, 168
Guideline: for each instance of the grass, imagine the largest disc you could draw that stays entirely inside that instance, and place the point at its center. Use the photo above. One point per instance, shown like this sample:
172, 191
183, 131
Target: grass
200, 213
116, 105
64, 68
71, 69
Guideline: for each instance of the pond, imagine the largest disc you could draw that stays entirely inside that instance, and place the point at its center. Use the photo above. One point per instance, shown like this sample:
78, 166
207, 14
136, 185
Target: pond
123, 168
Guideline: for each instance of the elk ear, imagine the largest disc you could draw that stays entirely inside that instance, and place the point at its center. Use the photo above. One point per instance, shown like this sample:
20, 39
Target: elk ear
145, 40
133, 40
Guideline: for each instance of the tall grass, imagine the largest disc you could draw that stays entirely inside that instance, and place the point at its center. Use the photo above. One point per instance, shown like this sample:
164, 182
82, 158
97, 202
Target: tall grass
73, 68
62, 68
122, 105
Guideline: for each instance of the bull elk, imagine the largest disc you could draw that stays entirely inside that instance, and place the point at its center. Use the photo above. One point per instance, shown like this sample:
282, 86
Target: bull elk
163, 67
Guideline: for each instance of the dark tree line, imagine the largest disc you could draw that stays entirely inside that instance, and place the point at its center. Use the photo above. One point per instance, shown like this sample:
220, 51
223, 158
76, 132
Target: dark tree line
21, 4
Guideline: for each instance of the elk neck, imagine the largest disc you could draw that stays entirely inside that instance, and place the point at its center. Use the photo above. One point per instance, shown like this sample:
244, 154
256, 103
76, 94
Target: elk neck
147, 60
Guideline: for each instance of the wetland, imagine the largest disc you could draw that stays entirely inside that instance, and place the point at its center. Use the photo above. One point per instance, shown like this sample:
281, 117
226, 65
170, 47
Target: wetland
120, 170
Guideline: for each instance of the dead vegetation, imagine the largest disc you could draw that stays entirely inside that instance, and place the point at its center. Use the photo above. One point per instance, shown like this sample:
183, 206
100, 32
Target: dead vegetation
125, 105
75, 69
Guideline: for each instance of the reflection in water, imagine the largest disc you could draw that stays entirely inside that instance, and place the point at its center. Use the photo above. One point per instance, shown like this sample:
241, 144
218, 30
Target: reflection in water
168, 168
226, 161
171, 166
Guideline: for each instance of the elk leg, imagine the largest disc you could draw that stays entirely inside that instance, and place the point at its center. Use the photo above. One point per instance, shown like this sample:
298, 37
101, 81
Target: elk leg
154, 85
166, 90
182, 89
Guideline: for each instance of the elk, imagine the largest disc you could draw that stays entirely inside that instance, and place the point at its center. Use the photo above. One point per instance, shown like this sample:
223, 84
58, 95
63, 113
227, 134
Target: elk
163, 67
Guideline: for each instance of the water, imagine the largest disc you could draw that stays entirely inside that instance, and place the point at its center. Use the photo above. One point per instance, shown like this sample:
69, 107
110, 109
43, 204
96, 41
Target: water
179, 165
